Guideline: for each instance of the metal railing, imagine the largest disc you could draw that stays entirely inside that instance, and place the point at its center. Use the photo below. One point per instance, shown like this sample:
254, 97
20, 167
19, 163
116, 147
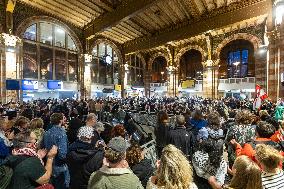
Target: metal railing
238, 80
226, 81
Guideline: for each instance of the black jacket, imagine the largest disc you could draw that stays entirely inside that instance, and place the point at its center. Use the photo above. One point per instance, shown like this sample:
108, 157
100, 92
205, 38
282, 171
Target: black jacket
161, 132
182, 139
82, 161
143, 170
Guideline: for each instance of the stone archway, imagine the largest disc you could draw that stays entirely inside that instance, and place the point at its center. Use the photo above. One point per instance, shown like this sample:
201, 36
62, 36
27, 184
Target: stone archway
163, 54
188, 48
255, 41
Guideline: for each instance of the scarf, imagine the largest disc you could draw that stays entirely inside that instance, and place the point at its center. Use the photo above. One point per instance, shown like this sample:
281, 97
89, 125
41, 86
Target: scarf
26, 152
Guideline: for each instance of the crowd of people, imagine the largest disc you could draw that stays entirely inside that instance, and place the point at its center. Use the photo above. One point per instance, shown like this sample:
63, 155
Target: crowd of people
95, 144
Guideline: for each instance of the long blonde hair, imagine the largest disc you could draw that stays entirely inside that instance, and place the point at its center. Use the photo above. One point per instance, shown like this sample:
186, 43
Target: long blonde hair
268, 157
174, 171
247, 176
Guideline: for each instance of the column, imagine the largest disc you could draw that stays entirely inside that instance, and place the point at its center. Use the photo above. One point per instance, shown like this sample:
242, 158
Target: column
147, 80
210, 79
87, 90
210, 72
172, 73
11, 58
273, 64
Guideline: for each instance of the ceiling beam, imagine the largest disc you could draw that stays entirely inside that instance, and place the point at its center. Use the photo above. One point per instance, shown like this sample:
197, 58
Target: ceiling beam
189, 30
126, 10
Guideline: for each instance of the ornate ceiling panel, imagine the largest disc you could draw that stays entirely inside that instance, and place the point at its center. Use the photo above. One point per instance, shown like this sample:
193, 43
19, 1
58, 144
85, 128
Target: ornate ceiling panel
129, 22
77, 12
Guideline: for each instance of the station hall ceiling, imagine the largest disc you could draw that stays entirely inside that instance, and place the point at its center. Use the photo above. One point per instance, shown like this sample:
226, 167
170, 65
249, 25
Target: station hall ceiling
141, 24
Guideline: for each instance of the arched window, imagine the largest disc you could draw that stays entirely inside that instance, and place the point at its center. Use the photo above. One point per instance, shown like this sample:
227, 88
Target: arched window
105, 67
190, 65
238, 63
159, 71
135, 70
237, 60
49, 53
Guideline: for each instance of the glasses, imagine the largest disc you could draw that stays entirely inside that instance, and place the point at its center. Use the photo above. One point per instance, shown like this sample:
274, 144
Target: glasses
28, 141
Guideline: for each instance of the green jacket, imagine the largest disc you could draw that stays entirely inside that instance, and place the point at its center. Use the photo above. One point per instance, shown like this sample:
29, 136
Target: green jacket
114, 178
279, 113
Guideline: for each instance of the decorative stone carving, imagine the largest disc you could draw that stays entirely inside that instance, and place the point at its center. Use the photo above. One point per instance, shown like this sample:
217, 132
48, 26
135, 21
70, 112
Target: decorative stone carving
10, 40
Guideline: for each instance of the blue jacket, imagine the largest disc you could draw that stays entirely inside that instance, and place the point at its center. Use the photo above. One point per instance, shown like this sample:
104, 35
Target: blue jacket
4, 150
57, 136
198, 124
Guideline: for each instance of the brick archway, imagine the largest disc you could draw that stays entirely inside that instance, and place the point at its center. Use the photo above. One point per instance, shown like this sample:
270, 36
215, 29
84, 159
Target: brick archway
255, 41
156, 55
188, 48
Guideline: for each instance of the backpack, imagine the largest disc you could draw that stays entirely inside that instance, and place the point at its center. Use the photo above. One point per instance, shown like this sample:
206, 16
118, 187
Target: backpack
6, 172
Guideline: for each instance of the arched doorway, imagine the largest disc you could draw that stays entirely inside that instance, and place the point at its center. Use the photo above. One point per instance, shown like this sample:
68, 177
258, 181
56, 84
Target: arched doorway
237, 60
190, 66
159, 71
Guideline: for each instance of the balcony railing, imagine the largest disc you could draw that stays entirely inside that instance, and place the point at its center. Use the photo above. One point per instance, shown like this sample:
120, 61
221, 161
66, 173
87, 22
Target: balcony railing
238, 80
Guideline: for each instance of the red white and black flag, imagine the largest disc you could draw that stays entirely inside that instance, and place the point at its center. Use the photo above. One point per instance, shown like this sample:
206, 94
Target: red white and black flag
259, 97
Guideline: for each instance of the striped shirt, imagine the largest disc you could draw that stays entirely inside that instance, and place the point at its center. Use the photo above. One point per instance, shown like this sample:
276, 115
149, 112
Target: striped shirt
273, 180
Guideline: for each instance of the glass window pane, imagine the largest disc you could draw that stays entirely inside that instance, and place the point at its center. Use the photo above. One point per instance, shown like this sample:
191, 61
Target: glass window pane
102, 50
231, 58
95, 51
132, 60
30, 68
245, 56
71, 44
115, 57
46, 59
73, 67
60, 65
109, 50
244, 71
95, 71
46, 33
59, 34
30, 33
237, 56
103, 72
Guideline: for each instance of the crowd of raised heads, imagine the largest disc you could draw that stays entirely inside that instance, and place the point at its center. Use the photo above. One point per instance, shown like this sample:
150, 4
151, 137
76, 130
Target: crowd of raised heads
104, 144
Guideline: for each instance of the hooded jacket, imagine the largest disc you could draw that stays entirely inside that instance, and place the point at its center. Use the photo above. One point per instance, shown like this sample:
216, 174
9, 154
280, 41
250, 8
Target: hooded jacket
143, 170
82, 161
114, 178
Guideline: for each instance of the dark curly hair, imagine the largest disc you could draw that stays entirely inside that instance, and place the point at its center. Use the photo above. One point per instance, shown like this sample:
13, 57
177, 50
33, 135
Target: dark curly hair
134, 155
244, 117
214, 121
117, 131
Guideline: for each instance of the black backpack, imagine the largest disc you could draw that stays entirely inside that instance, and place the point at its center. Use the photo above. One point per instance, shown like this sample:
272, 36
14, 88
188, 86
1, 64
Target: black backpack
6, 174
6, 171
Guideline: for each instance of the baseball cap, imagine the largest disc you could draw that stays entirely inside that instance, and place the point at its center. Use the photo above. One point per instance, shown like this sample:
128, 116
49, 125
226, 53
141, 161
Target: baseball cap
118, 144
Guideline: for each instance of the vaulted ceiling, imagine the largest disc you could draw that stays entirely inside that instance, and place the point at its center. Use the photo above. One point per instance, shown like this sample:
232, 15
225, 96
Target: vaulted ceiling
77, 12
141, 24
